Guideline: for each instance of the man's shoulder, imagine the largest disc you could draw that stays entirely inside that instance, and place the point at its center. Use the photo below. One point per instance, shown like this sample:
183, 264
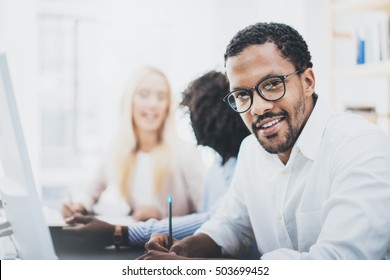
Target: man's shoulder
349, 126
349, 136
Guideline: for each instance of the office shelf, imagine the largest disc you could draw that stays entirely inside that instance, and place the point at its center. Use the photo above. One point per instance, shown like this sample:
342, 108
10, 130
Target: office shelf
378, 69
343, 13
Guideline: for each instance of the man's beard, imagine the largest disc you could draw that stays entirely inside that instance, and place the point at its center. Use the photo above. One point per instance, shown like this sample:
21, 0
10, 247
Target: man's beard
292, 132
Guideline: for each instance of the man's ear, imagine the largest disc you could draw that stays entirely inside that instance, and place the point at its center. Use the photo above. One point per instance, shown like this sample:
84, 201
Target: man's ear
308, 81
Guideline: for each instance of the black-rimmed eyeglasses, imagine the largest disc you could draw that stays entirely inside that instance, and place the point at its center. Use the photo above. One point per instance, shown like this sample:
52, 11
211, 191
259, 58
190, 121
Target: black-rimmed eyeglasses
270, 89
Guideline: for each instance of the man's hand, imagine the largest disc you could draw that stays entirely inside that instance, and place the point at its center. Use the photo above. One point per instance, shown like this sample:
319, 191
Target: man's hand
158, 255
159, 242
199, 245
87, 231
69, 209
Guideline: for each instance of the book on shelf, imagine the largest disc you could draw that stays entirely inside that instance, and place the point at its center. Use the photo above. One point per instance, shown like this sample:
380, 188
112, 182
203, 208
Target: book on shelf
361, 38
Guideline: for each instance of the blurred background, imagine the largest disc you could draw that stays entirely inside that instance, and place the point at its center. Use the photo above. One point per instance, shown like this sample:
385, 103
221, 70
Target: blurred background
70, 59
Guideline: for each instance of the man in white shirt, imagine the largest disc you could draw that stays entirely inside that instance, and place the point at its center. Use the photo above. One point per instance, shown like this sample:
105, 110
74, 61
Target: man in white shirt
317, 186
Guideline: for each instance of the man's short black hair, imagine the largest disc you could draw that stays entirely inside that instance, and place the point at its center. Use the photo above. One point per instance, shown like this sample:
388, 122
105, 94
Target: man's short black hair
215, 125
289, 42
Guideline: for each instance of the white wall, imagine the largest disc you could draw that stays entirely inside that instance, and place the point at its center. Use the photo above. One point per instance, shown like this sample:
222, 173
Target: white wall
18, 41
318, 38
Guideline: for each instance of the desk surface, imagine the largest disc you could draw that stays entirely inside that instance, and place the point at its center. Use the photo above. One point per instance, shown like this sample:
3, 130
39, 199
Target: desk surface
66, 252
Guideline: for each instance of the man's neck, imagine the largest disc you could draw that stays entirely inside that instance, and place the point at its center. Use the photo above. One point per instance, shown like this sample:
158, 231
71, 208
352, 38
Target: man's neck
285, 156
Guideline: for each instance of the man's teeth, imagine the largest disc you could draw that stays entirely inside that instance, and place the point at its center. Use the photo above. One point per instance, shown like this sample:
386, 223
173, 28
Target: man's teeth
271, 123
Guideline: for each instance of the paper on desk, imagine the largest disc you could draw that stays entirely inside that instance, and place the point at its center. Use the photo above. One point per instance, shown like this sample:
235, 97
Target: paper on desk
53, 217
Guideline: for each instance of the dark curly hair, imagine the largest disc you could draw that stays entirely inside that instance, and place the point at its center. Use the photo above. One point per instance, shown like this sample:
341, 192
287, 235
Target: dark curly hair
290, 43
215, 125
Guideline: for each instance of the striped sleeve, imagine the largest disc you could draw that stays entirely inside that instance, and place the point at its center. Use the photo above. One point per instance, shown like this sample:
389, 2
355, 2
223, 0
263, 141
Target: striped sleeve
183, 226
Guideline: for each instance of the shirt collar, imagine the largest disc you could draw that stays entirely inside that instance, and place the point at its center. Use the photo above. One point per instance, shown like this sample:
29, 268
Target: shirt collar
309, 142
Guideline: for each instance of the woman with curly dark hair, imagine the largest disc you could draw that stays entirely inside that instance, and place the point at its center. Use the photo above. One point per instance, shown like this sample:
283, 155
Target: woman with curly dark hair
216, 127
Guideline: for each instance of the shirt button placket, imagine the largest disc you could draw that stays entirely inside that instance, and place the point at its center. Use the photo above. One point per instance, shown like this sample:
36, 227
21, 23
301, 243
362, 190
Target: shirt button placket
284, 236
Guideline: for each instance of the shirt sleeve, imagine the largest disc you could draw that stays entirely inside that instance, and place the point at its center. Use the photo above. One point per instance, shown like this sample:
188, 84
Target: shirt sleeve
140, 232
230, 226
355, 220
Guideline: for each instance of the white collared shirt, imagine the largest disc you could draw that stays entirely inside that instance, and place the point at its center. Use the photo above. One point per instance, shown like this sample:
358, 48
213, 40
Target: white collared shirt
330, 201
142, 185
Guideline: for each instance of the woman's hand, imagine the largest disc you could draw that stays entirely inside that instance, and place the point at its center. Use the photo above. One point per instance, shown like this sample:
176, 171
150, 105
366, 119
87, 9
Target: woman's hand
69, 209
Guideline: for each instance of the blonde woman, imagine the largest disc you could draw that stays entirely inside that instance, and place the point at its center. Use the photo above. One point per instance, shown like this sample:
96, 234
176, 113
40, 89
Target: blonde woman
147, 160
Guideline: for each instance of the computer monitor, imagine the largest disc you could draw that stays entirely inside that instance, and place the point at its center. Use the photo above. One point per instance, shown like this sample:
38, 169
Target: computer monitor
21, 203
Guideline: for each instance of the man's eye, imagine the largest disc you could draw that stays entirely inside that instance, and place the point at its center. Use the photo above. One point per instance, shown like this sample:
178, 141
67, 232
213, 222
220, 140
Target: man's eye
242, 95
271, 84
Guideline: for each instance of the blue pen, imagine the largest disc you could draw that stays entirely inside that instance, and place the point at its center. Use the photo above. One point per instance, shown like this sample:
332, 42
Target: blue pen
170, 239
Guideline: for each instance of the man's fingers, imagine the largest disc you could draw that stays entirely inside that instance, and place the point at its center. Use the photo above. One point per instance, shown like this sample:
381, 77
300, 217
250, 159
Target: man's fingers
141, 257
157, 255
157, 242
149, 255
155, 245
177, 249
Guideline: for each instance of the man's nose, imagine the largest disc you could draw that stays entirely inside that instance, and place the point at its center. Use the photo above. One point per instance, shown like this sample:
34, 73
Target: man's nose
260, 105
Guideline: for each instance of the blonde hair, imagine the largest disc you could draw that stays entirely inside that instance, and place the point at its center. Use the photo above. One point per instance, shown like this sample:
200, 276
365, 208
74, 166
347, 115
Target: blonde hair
125, 146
